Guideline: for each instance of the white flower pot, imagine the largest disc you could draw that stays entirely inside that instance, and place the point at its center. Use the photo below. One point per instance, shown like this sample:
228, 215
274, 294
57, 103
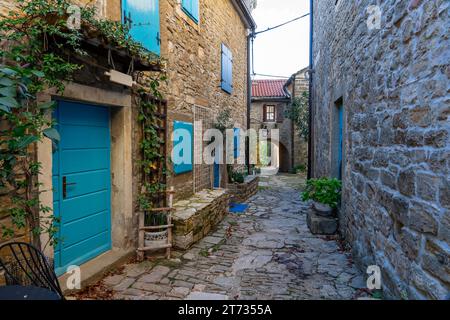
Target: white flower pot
156, 239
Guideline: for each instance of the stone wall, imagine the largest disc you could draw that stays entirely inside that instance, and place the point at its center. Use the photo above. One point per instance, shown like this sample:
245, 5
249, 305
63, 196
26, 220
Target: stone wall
193, 53
194, 218
394, 84
241, 192
297, 87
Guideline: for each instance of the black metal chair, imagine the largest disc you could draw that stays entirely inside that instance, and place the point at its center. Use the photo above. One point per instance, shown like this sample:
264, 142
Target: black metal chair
25, 265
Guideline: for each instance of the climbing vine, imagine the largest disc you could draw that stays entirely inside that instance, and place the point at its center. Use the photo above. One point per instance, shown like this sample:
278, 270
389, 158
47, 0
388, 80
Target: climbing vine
33, 37
153, 160
299, 114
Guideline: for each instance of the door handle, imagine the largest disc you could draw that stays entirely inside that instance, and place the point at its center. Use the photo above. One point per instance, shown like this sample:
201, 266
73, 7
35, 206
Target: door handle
158, 39
65, 184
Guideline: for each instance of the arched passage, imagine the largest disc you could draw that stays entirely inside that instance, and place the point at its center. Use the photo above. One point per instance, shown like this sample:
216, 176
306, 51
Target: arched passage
285, 158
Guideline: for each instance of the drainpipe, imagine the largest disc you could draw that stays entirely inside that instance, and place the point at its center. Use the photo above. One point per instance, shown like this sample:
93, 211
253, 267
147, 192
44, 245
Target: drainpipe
249, 95
292, 125
311, 66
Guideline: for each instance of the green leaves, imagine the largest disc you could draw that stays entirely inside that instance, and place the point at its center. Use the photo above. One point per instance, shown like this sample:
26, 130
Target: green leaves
6, 103
299, 114
325, 190
25, 141
6, 82
47, 105
10, 91
52, 134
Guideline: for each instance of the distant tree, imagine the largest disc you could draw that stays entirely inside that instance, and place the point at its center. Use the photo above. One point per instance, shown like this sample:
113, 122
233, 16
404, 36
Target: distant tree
299, 114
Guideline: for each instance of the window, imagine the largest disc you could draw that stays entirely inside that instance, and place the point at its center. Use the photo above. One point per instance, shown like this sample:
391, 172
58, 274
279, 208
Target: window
227, 70
280, 113
183, 147
142, 18
338, 143
237, 142
191, 8
269, 113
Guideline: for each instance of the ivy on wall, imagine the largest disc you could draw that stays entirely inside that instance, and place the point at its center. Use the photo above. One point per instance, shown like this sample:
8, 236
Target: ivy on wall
29, 67
299, 114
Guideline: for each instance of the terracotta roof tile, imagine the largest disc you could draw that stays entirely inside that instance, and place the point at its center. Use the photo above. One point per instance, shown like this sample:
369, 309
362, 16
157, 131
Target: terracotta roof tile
268, 89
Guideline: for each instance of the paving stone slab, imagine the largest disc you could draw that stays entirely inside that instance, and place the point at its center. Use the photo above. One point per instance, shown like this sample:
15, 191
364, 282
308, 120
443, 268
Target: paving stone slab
206, 296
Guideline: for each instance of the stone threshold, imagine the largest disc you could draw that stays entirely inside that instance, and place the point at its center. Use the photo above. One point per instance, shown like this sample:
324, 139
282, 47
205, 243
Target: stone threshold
95, 269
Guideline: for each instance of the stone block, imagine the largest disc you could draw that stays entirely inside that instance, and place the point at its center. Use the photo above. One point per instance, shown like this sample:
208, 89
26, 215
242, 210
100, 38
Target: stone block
321, 225
423, 218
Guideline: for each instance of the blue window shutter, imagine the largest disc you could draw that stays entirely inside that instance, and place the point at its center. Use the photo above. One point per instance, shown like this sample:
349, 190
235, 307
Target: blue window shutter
191, 8
195, 10
185, 141
142, 16
230, 70
236, 142
227, 69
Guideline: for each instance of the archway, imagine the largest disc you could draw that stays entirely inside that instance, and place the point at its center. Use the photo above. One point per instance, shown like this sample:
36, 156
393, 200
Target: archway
285, 159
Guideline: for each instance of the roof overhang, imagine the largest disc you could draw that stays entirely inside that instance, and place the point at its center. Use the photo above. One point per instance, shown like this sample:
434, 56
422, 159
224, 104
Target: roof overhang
271, 99
244, 13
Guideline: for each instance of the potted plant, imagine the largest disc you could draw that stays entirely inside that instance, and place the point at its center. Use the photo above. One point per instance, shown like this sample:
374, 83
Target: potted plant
157, 237
325, 194
237, 176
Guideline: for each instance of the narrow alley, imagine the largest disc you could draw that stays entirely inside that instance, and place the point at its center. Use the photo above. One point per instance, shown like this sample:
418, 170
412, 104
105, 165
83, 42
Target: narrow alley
266, 253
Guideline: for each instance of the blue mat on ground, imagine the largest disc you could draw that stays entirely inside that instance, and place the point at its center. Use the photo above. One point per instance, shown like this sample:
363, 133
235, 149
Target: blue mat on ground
238, 207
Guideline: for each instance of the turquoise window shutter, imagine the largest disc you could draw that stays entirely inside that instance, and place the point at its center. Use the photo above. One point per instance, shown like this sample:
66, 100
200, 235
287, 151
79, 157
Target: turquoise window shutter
142, 18
191, 8
227, 69
236, 142
183, 147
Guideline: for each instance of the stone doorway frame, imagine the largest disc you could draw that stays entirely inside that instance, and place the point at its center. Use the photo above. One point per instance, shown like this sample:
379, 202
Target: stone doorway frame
120, 104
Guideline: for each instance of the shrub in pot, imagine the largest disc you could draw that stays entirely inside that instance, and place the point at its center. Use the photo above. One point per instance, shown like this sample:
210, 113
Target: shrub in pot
325, 194
236, 176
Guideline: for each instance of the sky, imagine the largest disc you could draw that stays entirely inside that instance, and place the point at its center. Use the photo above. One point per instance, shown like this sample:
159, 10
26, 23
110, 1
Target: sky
283, 51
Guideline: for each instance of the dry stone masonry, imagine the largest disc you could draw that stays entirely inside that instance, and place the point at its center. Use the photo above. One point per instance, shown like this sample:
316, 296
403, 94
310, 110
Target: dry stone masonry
394, 85
241, 192
195, 217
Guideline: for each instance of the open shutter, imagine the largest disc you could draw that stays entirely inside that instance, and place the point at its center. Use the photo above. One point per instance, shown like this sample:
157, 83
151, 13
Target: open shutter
264, 113
184, 142
227, 69
195, 10
236, 142
142, 18
280, 113
191, 8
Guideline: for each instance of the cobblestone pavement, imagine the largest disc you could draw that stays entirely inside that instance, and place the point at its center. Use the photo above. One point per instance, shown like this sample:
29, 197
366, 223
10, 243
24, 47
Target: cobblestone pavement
266, 253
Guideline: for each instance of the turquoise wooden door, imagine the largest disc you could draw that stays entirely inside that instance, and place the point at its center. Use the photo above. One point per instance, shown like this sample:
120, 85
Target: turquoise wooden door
216, 175
142, 17
341, 140
82, 183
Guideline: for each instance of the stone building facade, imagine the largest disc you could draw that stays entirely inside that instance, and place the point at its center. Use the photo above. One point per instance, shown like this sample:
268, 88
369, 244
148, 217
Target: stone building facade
297, 85
292, 149
193, 54
270, 102
388, 76
193, 91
